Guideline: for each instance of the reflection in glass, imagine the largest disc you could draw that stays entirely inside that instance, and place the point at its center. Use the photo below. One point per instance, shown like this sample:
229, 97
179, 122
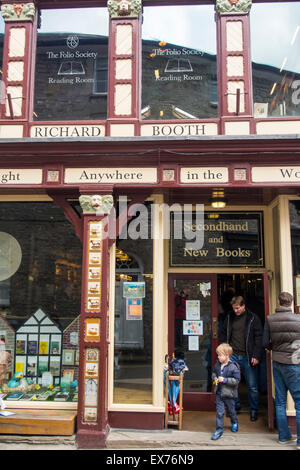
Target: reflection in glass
71, 65
275, 58
179, 72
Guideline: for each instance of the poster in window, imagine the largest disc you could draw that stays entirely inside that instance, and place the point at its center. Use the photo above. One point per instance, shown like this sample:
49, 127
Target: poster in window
192, 309
134, 290
191, 327
134, 309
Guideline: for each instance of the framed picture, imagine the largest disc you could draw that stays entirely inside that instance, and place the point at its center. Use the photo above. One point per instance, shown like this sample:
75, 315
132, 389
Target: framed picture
92, 354
68, 357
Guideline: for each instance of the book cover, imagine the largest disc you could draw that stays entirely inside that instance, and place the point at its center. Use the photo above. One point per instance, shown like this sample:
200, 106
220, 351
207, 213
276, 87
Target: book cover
54, 368
61, 396
43, 367
32, 347
54, 348
6, 413
43, 347
15, 396
20, 347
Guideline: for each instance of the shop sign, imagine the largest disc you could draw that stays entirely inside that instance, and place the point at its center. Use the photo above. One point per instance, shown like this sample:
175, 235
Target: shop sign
178, 130
110, 175
276, 174
231, 239
204, 175
17, 177
84, 131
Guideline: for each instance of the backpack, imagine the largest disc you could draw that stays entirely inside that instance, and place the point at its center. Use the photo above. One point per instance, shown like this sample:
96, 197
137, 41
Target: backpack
176, 366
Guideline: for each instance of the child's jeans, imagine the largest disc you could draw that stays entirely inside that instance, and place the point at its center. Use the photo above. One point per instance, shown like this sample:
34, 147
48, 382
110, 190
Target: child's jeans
221, 404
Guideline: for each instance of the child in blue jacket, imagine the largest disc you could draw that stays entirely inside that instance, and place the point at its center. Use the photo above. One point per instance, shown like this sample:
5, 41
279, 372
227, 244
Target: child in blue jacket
226, 376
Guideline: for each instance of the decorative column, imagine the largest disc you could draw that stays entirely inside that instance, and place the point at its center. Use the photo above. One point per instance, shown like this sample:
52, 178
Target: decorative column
92, 419
234, 64
18, 60
124, 95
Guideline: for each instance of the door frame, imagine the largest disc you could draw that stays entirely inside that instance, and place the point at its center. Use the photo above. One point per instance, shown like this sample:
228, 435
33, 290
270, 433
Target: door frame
271, 423
195, 400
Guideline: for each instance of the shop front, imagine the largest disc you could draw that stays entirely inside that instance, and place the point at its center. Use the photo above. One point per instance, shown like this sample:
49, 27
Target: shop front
99, 282
146, 176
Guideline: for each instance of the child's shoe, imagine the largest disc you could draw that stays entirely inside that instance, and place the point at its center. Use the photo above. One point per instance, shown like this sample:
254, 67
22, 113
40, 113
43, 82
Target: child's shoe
235, 427
170, 409
217, 434
176, 408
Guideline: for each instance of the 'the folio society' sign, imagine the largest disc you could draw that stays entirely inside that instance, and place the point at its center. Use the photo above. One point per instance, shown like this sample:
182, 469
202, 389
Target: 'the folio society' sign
229, 239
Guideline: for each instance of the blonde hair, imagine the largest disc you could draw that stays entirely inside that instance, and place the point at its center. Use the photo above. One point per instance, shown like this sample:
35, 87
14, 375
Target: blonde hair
224, 348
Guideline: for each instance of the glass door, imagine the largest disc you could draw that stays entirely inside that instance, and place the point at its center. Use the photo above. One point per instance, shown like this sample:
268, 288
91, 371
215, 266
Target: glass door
193, 330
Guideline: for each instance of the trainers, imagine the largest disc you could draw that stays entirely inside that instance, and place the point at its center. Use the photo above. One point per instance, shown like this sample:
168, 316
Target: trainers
176, 408
291, 439
217, 434
235, 427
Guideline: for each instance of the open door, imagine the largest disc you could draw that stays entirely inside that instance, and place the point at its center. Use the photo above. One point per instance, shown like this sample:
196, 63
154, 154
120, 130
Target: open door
193, 310
268, 359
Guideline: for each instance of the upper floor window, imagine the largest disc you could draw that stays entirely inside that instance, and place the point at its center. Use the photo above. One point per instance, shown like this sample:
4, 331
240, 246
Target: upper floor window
71, 65
179, 68
275, 43
2, 29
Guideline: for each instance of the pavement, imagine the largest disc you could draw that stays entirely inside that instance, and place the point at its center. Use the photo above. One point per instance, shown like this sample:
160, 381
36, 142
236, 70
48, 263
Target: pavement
133, 441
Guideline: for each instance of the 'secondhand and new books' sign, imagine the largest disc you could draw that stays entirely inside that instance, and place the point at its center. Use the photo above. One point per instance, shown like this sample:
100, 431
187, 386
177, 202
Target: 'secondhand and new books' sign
229, 239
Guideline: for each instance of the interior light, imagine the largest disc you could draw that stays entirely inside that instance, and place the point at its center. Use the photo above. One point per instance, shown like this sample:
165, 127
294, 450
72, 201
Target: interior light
295, 35
273, 88
218, 200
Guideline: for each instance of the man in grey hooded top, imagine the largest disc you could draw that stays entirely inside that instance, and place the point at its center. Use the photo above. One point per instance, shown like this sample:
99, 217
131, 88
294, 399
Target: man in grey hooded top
282, 336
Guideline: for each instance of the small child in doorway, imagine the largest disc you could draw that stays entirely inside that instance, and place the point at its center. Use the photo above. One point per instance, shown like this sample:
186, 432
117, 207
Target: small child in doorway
226, 376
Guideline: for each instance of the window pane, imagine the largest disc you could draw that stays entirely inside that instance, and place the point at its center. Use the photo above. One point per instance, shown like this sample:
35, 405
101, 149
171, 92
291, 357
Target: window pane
133, 315
179, 76
275, 58
40, 291
70, 46
2, 29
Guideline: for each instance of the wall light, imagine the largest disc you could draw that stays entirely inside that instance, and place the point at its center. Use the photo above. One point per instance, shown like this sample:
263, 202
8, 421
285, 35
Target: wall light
218, 200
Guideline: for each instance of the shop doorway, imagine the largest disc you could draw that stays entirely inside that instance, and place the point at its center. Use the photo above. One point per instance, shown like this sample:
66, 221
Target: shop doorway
198, 305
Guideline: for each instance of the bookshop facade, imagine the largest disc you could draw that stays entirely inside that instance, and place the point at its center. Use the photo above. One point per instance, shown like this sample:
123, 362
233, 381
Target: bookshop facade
136, 174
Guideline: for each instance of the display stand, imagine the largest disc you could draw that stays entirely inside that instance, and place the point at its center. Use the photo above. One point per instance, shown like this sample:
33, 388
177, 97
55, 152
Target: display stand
174, 418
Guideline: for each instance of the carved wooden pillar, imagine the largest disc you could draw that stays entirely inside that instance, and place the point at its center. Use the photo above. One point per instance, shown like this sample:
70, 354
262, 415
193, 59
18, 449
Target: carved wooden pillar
18, 59
234, 61
124, 97
92, 419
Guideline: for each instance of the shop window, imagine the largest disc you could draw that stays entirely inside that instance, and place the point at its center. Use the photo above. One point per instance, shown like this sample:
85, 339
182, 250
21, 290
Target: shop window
2, 29
133, 318
40, 287
71, 65
275, 59
179, 66
295, 239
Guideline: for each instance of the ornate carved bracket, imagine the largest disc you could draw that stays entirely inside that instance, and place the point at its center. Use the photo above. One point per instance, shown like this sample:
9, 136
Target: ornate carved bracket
233, 7
121, 8
18, 12
96, 204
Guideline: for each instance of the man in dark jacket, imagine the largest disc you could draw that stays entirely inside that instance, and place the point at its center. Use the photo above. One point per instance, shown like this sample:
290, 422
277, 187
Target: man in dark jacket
242, 329
282, 335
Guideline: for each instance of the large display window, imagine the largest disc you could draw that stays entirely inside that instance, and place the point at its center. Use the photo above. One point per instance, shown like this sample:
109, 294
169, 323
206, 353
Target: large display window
133, 327
179, 69
71, 65
40, 291
275, 42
